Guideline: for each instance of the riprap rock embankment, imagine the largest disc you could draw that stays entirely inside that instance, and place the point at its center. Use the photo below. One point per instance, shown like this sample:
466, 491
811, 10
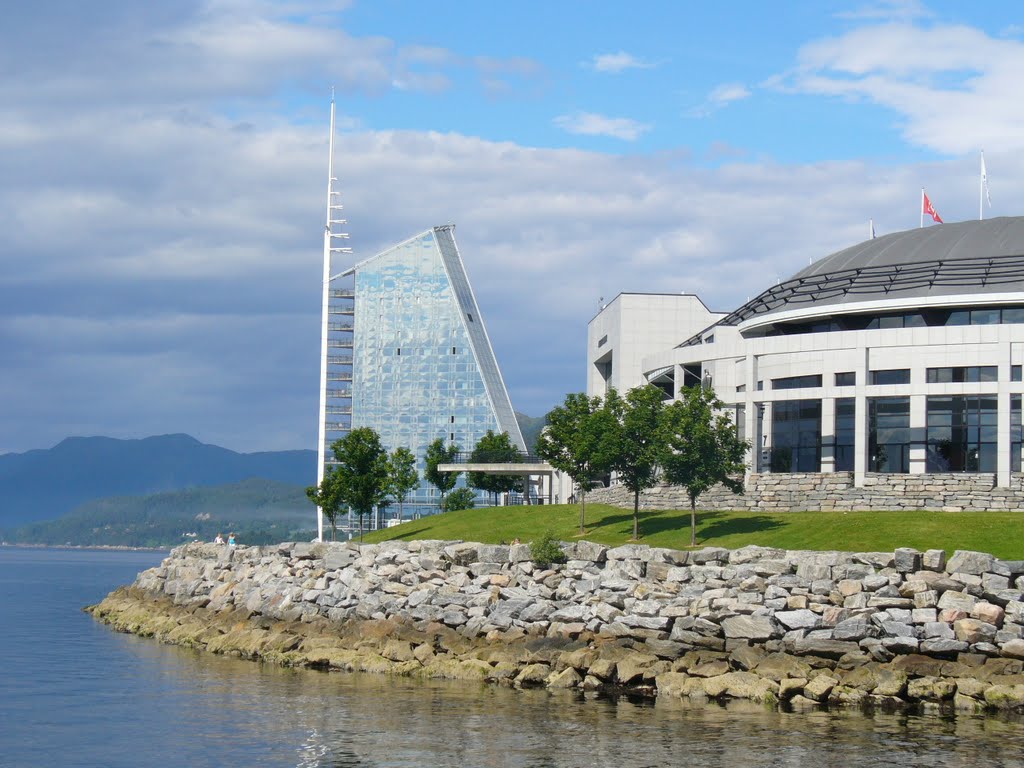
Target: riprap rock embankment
807, 628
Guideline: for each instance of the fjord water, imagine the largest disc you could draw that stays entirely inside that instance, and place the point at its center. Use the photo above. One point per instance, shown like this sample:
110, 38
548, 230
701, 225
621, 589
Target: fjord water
74, 693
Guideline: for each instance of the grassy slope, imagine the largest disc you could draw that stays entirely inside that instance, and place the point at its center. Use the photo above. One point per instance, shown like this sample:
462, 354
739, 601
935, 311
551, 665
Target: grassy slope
1001, 533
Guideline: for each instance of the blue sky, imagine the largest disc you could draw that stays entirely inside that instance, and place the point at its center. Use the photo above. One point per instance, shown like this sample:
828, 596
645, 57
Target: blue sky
162, 173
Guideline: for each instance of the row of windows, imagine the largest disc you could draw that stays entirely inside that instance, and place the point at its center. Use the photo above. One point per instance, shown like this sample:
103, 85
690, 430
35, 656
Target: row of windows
920, 319
960, 434
951, 374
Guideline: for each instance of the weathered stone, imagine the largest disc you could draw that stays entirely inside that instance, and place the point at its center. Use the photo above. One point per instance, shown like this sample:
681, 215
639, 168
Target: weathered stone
831, 649
965, 561
750, 627
957, 601
907, 560
930, 689
802, 619
818, 688
934, 560
973, 631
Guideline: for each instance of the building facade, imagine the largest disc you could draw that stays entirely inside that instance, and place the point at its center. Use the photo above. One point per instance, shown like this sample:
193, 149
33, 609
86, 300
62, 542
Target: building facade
900, 355
415, 363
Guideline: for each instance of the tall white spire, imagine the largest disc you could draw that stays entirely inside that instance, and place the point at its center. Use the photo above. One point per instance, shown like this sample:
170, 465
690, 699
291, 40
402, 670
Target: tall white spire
329, 236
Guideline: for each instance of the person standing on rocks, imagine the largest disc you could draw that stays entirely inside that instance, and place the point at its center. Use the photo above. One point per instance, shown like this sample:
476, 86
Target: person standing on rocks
231, 539
219, 539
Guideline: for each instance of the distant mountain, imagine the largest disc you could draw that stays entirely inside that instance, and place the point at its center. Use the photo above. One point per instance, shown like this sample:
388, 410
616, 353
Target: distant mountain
44, 484
531, 427
258, 511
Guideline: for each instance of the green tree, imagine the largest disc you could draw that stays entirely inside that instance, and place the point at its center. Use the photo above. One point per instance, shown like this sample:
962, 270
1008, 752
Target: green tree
579, 440
439, 453
329, 498
701, 448
494, 449
402, 475
636, 440
461, 498
361, 471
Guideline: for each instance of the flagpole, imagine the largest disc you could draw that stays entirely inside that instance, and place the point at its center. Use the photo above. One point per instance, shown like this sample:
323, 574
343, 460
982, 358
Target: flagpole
921, 225
981, 188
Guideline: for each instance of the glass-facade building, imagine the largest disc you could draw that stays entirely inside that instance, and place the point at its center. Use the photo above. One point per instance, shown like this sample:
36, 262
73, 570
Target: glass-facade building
422, 364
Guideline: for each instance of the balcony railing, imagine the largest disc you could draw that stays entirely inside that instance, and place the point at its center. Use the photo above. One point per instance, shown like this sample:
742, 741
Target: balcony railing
339, 359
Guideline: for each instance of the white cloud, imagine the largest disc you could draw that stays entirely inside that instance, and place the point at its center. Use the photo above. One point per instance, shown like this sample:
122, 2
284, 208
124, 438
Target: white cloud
721, 96
614, 63
591, 124
951, 86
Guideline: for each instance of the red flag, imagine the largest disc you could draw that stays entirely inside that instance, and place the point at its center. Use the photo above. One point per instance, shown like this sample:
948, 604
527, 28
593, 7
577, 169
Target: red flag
928, 210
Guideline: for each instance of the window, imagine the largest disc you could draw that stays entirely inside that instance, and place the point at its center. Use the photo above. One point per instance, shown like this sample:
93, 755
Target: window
470, 316
602, 341
890, 376
962, 434
710, 339
741, 422
963, 373
846, 424
796, 436
741, 387
1015, 372
846, 379
889, 434
797, 382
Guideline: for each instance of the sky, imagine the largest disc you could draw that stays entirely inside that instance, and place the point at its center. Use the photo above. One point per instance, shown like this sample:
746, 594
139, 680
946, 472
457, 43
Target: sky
163, 174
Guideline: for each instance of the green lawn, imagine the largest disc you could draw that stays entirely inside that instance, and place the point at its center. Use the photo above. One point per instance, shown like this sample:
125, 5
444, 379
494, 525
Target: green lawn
1001, 533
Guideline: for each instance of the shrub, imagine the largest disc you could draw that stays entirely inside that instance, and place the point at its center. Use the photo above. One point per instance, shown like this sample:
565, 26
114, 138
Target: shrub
460, 498
546, 551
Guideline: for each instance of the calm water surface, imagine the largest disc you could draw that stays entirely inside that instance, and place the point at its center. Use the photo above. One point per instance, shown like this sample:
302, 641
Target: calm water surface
73, 693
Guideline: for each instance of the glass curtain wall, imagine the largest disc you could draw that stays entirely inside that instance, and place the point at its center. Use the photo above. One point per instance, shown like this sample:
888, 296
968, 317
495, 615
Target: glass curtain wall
415, 375
962, 433
846, 424
796, 436
889, 434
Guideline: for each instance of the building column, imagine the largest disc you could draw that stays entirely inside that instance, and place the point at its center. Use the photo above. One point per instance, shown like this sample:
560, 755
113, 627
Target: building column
1003, 468
828, 427
860, 426
918, 434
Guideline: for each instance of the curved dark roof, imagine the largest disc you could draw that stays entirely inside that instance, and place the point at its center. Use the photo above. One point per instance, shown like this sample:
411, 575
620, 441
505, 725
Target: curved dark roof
940, 260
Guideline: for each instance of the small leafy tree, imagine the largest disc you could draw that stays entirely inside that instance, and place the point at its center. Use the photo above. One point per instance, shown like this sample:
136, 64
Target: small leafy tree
460, 498
328, 497
362, 471
579, 440
701, 448
402, 475
439, 453
494, 449
636, 440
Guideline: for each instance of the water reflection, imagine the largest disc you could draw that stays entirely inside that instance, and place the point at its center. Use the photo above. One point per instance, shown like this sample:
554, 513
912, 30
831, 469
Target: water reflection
265, 715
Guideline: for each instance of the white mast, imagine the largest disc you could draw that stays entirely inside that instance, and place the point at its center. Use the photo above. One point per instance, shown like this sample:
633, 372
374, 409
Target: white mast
321, 450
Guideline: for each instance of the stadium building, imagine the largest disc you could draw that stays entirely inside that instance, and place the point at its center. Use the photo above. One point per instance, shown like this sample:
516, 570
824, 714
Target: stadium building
900, 356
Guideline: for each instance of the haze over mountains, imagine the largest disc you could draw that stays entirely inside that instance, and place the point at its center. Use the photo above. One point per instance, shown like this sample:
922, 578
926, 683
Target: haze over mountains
151, 491
47, 483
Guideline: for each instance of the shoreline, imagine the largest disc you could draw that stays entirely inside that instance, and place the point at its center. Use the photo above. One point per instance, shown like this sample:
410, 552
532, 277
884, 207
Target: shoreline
702, 626
101, 547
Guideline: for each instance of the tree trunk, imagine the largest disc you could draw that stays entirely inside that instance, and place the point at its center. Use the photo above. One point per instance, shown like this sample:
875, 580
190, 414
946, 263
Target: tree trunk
360, 527
334, 530
693, 521
636, 515
583, 507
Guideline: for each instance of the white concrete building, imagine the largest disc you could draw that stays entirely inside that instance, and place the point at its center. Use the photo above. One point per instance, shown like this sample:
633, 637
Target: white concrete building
902, 354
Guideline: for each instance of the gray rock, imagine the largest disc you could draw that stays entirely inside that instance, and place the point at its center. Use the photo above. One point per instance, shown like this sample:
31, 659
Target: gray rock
957, 601
934, 560
629, 552
942, 647
801, 619
966, 561
907, 560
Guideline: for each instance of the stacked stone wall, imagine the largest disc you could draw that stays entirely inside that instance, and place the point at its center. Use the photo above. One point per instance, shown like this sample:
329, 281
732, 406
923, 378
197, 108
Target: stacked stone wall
835, 491
758, 623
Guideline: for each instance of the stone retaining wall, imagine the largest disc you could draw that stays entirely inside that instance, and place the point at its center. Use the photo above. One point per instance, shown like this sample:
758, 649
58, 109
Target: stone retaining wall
834, 491
764, 624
